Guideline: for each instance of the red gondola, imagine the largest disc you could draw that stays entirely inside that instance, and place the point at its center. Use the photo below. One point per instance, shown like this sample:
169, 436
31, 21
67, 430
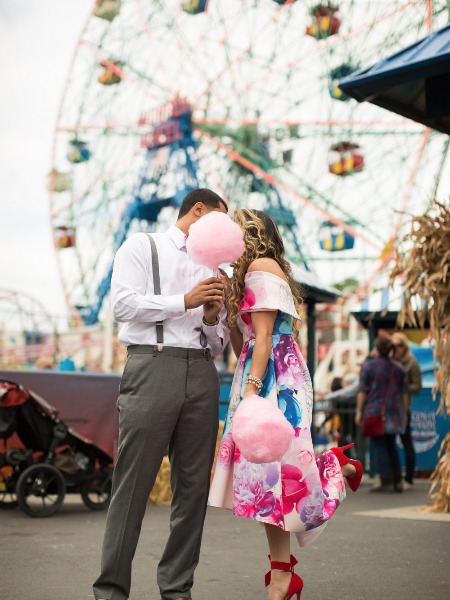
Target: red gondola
64, 237
325, 22
345, 158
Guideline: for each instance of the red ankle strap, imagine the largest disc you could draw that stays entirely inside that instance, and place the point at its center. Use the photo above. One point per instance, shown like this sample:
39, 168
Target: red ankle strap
280, 566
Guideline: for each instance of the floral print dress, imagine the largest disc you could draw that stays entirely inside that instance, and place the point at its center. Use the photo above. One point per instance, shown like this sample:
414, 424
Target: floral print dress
301, 492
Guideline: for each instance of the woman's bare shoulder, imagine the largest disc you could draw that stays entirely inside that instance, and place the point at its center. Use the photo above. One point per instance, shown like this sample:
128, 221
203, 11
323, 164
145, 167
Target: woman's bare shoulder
268, 265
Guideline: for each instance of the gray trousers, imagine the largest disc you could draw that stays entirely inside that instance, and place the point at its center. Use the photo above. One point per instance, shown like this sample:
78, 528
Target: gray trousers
167, 399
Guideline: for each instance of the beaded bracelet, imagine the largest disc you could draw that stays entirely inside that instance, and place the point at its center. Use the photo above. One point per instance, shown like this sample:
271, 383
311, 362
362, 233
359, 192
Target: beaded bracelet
216, 322
256, 381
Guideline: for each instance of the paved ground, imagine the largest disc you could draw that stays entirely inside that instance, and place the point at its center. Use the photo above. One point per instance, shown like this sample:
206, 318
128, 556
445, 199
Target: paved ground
378, 547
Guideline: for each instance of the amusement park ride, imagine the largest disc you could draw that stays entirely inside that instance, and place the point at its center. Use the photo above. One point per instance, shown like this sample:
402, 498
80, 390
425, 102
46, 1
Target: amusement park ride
242, 97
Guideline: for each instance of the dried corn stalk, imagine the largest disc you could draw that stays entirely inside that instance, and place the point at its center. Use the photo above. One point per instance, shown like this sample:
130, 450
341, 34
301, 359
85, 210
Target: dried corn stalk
440, 488
425, 268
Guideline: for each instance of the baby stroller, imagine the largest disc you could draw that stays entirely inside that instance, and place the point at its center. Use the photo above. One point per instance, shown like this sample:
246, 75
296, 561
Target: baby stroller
53, 461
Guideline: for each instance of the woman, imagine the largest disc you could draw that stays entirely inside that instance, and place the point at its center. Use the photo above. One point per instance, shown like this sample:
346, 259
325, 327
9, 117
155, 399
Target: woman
300, 493
402, 353
383, 389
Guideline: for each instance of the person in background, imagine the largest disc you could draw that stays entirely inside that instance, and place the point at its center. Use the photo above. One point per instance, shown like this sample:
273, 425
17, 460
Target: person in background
332, 422
44, 362
402, 353
343, 403
383, 388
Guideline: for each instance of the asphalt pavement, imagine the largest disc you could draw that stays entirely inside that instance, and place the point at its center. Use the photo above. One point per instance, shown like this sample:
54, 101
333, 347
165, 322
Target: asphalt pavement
376, 547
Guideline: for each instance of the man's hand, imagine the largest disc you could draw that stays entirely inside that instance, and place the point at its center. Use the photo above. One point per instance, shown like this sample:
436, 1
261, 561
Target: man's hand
209, 291
211, 310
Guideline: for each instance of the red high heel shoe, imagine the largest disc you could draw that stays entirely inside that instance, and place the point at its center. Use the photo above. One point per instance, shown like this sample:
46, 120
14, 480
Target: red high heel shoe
354, 481
296, 583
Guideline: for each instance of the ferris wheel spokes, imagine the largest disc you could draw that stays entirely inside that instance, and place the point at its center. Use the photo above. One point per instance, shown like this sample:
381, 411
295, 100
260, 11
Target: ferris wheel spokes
157, 50
273, 180
319, 48
273, 18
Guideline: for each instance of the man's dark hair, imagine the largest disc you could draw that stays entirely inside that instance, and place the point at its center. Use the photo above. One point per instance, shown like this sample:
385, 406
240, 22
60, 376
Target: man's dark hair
384, 345
208, 197
336, 384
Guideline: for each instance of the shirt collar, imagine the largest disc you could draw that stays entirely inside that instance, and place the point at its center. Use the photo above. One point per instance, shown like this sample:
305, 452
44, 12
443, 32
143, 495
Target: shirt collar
178, 237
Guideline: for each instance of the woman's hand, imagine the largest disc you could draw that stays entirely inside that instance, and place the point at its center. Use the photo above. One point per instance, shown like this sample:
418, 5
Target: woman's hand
226, 282
250, 390
358, 417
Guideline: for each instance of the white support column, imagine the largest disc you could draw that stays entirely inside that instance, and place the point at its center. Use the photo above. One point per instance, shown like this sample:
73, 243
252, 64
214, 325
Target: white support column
353, 340
107, 339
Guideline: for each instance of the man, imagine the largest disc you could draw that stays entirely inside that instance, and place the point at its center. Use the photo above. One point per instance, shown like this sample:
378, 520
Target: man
402, 353
168, 398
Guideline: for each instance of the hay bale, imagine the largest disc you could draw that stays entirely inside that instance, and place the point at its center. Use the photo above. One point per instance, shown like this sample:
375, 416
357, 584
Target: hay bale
161, 493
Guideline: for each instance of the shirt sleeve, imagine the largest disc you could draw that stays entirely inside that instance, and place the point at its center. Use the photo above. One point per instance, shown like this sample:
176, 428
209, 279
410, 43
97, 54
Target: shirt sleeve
405, 388
345, 393
217, 335
364, 380
129, 298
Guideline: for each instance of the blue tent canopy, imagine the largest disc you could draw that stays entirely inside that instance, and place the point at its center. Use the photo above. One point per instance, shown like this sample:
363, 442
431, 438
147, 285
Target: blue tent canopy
414, 83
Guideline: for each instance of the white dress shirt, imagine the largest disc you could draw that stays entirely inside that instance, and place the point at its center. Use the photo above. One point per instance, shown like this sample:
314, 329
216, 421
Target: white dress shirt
134, 302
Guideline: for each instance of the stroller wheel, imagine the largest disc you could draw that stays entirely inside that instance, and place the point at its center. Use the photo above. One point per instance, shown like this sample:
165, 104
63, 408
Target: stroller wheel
7, 498
96, 491
40, 490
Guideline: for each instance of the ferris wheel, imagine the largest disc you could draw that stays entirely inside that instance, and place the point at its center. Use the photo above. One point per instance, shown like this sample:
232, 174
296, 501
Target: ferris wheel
240, 96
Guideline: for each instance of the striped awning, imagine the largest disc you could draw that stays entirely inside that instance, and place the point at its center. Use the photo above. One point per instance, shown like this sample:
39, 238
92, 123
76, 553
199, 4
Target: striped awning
386, 300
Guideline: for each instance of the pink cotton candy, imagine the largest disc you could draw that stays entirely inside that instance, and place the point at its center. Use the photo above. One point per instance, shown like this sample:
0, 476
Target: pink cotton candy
260, 430
215, 239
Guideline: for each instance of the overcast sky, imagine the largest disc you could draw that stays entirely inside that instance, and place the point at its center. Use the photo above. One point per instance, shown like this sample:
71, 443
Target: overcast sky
37, 39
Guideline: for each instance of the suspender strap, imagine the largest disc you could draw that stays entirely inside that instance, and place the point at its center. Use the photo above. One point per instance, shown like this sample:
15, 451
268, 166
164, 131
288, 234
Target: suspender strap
157, 288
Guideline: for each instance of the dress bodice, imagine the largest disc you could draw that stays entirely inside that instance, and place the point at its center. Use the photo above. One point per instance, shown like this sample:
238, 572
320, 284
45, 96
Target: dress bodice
266, 291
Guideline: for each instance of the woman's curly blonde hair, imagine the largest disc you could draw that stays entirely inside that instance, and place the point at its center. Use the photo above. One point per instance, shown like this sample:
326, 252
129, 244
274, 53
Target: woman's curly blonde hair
262, 239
